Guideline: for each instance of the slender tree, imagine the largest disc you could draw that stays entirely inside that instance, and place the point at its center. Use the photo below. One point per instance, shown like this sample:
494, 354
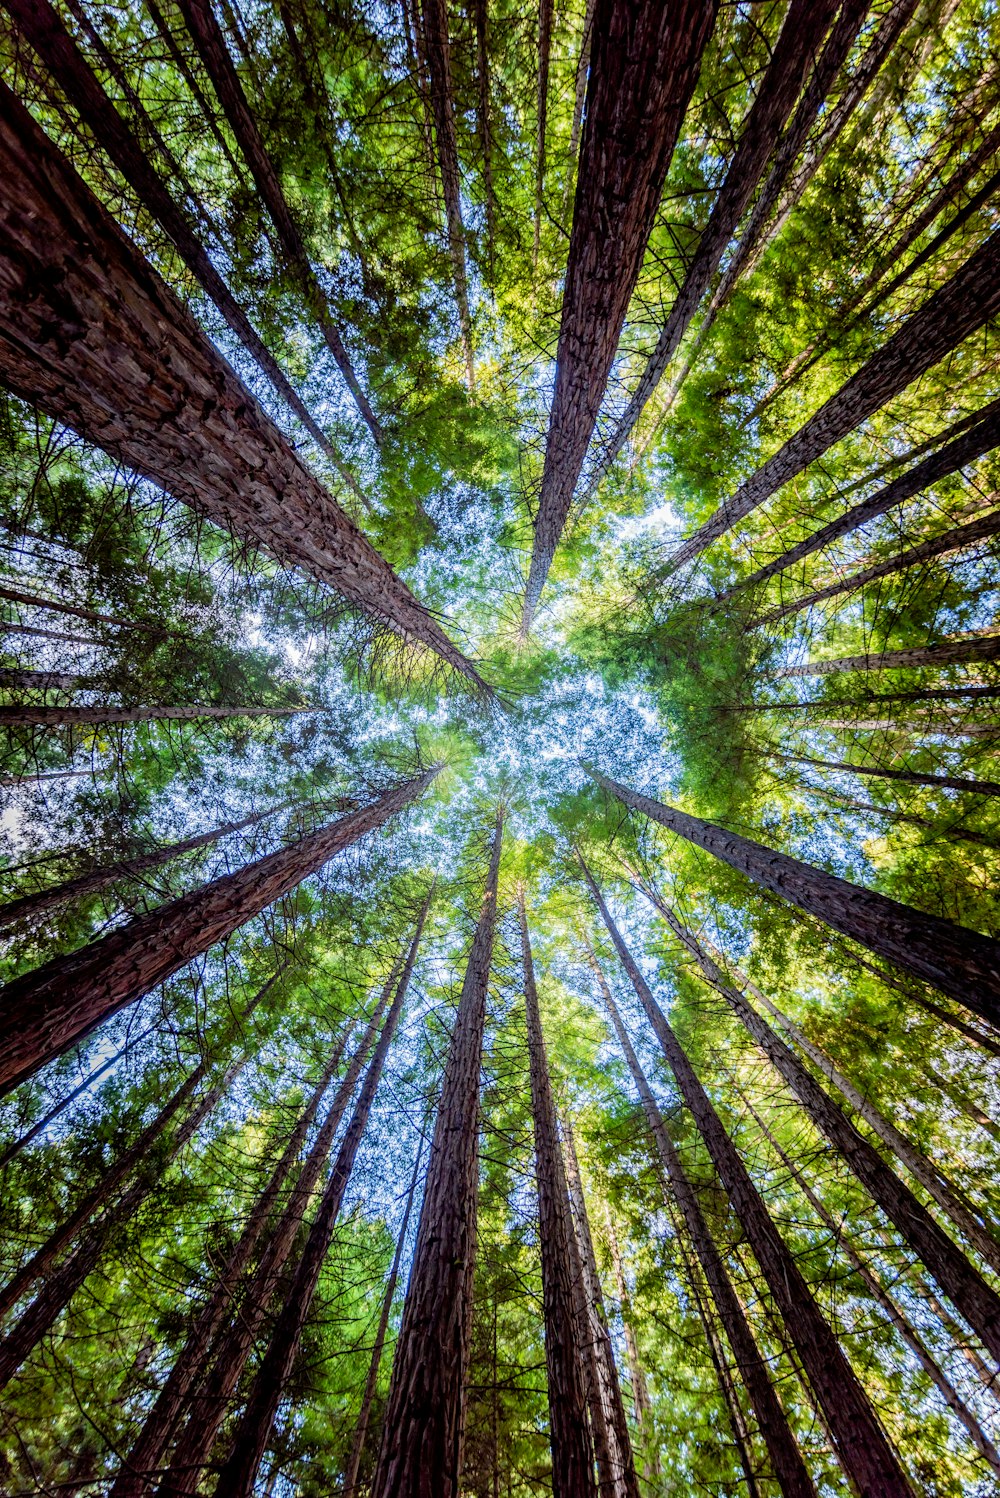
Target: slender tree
545, 14
25, 714
908, 777
955, 652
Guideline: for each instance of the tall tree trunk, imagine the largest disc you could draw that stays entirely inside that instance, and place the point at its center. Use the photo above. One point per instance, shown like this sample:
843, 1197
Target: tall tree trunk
579, 99
249, 1442
644, 63
57, 1004
959, 308
39, 22
423, 1429
66, 717
199, 18
435, 28
908, 777
483, 120
865, 1454
875, 1288
191, 427
572, 1453
782, 1448
803, 29
963, 964
58, 606
966, 447
622, 1478
642, 1405
16, 680
545, 13
951, 833
350, 1482
954, 652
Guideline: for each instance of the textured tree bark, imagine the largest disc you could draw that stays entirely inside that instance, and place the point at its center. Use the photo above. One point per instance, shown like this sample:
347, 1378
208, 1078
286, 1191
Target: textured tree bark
963, 964
801, 36
960, 307
865, 1454
17, 680
572, 1453
435, 28
239, 1472
579, 99
545, 12
421, 1449
138, 1471
955, 652
367, 1398
35, 601
65, 717
644, 62
91, 335
782, 1448
53, 1007
642, 1405
39, 22
909, 777
206, 33
485, 127
961, 1282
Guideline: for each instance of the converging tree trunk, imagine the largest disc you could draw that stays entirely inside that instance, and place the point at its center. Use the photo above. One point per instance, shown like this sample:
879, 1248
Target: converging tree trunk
545, 13
963, 964
908, 777
955, 652
55, 1005
644, 62
572, 1453
642, 1405
191, 426
423, 1428
67, 717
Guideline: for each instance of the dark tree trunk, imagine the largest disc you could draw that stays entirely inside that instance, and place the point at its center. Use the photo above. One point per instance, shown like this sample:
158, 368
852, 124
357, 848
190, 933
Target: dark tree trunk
950, 832
239, 1473
545, 12
88, 330
782, 1448
908, 777
642, 1405
580, 96
39, 22
368, 1396
421, 1448
16, 680
865, 1454
181, 63
572, 1454
66, 717
35, 601
955, 652
963, 964
435, 28
485, 127
958, 309
644, 63
56, 1005
211, 45
802, 32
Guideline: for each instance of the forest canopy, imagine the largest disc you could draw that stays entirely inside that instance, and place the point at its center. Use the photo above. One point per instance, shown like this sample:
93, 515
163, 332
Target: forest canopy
499, 711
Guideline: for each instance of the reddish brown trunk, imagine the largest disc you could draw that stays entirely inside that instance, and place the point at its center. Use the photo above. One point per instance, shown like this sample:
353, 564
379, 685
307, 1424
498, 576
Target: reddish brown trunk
955, 652
421, 1449
88, 330
782, 1448
485, 126
644, 63
963, 964
545, 11
35, 601
580, 96
908, 777
950, 832
572, 1455
642, 1405
66, 717
865, 1454
16, 680
56, 1005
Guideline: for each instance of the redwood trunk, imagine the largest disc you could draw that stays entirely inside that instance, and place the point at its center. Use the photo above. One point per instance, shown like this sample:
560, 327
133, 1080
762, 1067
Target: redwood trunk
56, 1005
421, 1449
963, 964
545, 12
485, 126
865, 1454
956, 652
572, 1453
88, 331
644, 62
909, 777
67, 717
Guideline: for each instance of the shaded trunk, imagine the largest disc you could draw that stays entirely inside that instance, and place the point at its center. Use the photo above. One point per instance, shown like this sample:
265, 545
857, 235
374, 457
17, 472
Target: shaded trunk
199, 18
64, 717
33, 600
782, 1448
908, 777
16, 680
642, 1405
421, 1447
865, 1454
485, 127
579, 99
963, 964
192, 427
53, 1007
249, 1442
644, 64
802, 32
572, 1454
545, 12
959, 308
951, 833
350, 1482
955, 652
180, 62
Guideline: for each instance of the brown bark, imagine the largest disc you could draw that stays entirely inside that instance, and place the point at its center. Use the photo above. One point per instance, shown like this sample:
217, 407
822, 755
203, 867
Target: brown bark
206, 33
865, 1454
65, 717
951, 832
968, 300
16, 680
249, 1442
350, 1482
89, 331
435, 31
908, 777
545, 13
421, 1449
954, 652
483, 120
802, 32
782, 1448
642, 1405
35, 601
963, 964
185, 71
644, 63
53, 1007
579, 99
39, 22
572, 1454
